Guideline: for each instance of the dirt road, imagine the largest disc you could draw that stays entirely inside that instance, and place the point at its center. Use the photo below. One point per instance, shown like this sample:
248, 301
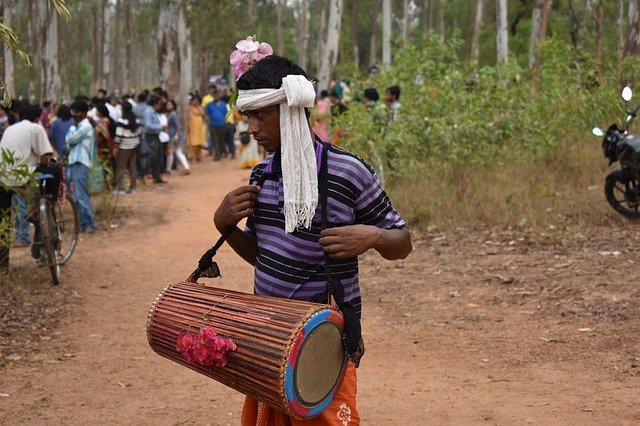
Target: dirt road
476, 327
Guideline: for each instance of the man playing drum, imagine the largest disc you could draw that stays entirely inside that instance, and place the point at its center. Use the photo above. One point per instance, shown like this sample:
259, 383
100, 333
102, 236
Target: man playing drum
284, 237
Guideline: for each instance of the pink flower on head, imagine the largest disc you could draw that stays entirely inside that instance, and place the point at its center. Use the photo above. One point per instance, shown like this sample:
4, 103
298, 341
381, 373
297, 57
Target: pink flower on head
247, 53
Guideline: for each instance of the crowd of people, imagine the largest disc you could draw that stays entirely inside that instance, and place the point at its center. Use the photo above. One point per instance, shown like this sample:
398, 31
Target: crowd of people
115, 143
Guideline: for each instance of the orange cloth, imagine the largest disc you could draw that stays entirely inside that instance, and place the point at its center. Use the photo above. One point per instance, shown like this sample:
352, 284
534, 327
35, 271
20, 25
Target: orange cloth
341, 412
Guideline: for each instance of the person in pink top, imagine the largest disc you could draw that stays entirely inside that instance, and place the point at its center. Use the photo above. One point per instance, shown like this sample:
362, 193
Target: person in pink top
321, 116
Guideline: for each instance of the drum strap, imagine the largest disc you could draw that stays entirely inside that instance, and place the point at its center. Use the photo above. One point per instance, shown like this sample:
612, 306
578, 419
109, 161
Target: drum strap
207, 267
353, 342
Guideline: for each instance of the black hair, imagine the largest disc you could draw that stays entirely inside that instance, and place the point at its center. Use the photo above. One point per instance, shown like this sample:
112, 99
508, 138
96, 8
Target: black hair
268, 73
29, 112
103, 91
127, 114
64, 112
164, 94
46, 104
395, 91
324, 94
372, 94
142, 97
153, 100
103, 110
157, 89
80, 106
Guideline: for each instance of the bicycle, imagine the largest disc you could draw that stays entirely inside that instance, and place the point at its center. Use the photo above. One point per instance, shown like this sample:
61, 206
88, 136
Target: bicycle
59, 226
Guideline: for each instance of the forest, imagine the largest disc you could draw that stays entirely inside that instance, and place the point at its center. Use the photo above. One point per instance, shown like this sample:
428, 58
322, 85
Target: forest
492, 91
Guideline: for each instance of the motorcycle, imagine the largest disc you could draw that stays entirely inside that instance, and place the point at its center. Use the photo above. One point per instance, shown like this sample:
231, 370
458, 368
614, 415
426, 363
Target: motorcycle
622, 186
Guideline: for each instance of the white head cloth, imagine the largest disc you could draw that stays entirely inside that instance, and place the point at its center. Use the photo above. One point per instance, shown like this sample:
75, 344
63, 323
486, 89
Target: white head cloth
299, 170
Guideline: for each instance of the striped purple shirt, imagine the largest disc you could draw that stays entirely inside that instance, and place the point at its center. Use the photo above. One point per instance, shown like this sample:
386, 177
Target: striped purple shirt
292, 265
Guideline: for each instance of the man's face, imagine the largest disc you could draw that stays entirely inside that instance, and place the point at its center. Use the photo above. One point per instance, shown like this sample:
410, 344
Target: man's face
157, 106
389, 98
78, 116
264, 125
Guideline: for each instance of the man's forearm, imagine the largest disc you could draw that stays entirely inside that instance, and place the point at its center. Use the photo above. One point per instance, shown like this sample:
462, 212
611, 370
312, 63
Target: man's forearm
394, 243
245, 245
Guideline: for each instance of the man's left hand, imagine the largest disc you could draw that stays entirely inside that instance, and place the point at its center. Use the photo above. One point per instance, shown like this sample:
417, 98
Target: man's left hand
349, 241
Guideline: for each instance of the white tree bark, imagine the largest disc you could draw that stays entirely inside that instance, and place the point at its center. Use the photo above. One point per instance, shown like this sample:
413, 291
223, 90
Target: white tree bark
331, 45
373, 46
536, 22
106, 54
477, 24
386, 32
167, 48
280, 6
502, 35
186, 64
49, 70
632, 45
127, 47
9, 71
303, 33
405, 21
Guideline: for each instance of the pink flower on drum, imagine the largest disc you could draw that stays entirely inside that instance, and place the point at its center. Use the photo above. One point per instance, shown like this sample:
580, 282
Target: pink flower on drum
206, 348
184, 346
247, 53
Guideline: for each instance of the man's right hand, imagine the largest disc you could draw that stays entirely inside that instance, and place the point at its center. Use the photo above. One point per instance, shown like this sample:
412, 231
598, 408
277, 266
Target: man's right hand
235, 206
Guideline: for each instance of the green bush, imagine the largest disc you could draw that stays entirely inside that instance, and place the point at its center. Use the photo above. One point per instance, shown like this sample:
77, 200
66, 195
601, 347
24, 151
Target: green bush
461, 127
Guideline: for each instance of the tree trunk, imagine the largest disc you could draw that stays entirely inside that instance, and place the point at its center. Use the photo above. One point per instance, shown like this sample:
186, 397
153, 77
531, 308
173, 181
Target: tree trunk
33, 28
106, 55
280, 6
441, 28
597, 13
576, 24
126, 82
322, 35
330, 54
355, 34
632, 45
9, 71
405, 21
116, 51
95, 52
502, 37
475, 36
186, 64
49, 69
539, 18
427, 15
386, 32
373, 47
168, 49
303, 33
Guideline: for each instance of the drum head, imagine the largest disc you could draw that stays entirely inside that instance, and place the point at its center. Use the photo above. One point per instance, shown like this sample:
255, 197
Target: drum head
319, 364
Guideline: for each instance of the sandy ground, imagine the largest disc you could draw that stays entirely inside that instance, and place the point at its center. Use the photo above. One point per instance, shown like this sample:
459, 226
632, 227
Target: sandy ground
474, 327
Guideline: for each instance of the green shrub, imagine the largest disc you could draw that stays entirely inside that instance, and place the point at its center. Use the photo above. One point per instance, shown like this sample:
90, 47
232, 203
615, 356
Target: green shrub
479, 138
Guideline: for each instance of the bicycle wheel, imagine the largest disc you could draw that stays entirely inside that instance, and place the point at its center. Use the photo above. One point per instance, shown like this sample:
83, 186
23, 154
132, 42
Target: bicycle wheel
67, 227
47, 234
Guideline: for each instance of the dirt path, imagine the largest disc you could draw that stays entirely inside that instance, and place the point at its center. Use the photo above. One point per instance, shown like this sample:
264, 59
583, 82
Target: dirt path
473, 328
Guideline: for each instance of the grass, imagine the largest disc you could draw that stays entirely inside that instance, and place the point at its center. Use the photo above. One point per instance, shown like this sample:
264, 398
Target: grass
563, 187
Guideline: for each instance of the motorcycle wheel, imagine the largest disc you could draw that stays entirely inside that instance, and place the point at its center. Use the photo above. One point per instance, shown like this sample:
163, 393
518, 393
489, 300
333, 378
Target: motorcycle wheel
622, 190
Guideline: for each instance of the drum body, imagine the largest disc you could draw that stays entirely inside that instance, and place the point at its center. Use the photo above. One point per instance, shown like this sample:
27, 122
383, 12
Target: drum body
289, 356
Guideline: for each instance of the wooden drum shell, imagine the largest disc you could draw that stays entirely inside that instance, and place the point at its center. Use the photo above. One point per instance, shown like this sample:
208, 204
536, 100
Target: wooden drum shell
270, 362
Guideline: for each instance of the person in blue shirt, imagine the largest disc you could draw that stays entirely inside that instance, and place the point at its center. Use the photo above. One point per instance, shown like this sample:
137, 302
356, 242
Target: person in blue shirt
59, 128
152, 129
216, 112
80, 143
